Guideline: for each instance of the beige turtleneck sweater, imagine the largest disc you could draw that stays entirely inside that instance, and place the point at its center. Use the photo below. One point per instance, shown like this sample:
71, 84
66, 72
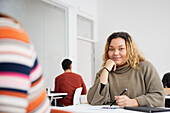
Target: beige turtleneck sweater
143, 84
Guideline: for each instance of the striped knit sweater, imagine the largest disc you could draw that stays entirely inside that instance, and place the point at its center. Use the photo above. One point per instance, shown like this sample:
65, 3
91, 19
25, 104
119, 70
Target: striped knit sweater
21, 82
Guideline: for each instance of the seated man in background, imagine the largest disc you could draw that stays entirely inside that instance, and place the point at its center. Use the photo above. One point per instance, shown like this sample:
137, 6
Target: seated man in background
21, 82
166, 84
68, 82
166, 80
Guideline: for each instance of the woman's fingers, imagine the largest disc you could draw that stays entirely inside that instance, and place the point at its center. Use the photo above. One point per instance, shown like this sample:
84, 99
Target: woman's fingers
110, 64
122, 101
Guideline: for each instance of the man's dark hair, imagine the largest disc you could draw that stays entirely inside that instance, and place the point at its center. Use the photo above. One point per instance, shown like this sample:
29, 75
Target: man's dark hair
66, 64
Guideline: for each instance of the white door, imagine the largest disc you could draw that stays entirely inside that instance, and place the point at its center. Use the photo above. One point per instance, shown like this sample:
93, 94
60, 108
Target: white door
85, 49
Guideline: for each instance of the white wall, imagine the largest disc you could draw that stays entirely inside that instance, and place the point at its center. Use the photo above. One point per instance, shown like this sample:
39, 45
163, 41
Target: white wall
88, 7
147, 21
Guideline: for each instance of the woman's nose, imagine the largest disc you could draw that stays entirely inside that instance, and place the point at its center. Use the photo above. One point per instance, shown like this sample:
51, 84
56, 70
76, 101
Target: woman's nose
116, 52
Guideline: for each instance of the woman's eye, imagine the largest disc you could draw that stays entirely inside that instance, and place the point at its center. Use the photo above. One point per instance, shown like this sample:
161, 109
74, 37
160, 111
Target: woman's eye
121, 48
110, 49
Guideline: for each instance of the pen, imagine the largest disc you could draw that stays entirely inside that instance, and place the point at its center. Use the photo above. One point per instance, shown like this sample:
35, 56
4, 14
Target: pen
120, 94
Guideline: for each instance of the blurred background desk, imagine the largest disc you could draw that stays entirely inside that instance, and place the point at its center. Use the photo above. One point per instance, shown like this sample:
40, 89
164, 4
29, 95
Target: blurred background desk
167, 97
167, 101
55, 96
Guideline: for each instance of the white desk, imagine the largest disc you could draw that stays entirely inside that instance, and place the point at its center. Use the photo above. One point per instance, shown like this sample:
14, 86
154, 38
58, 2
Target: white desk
56, 96
167, 97
86, 108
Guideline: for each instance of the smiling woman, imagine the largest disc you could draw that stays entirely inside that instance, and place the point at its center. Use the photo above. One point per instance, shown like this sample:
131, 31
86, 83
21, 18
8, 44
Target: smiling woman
124, 67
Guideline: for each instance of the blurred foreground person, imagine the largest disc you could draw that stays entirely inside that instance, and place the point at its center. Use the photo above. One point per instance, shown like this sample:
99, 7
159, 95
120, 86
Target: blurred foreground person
21, 82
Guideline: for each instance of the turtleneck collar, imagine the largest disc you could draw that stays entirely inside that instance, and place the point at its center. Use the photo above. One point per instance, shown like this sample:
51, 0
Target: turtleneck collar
123, 69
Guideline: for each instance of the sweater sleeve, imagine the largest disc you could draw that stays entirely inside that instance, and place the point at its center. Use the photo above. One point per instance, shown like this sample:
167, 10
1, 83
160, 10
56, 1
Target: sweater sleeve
94, 96
56, 85
84, 91
154, 96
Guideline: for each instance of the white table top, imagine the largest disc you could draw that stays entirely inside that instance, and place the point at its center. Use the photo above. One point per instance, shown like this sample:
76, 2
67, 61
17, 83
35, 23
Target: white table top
86, 108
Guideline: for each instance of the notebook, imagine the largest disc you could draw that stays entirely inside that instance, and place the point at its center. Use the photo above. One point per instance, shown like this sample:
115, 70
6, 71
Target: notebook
147, 109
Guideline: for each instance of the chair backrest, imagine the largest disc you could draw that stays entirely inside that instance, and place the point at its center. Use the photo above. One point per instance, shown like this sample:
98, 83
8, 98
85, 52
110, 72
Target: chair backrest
83, 99
48, 90
77, 94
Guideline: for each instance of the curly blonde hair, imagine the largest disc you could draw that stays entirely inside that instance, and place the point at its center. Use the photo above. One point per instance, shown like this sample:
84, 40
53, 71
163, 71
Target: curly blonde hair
133, 55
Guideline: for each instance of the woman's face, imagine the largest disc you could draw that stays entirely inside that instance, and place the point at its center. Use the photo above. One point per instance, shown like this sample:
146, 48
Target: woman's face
117, 51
